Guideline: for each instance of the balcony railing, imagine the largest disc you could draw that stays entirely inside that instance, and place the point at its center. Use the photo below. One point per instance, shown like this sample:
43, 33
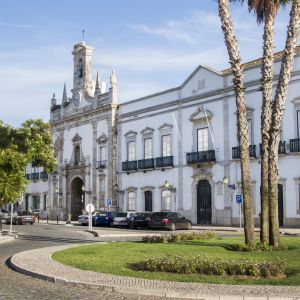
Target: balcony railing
35, 176
44, 175
166, 161
236, 153
295, 145
129, 166
200, 157
281, 148
101, 164
144, 164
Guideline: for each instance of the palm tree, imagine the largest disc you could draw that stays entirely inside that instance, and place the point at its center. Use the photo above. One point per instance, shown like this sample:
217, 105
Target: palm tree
242, 124
277, 113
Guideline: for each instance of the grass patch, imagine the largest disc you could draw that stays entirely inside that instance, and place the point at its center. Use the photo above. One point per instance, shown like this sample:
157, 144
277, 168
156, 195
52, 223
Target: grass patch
115, 258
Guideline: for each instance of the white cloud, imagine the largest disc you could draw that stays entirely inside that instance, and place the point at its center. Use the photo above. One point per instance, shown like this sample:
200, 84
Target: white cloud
14, 25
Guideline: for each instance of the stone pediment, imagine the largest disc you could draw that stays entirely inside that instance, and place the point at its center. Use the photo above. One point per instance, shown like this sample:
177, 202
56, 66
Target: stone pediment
200, 114
77, 138
102, 139
147, 130
296, 100
165, 126
129, 133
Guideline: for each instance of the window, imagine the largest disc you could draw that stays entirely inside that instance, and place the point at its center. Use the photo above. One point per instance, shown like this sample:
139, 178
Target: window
102, 185
77, 155
166, 145
166, 200
298, 124
202, 139
102, 153
250, 131
131, 151
147, 148
35, 202
131, 200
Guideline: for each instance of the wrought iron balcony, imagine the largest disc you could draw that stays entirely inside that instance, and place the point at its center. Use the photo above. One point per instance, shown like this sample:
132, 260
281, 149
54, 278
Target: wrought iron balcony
101, 164
295, 145
200, 157
43, 175
145, 164
236, 152
128, 166
165, 161
281, 148
35, 176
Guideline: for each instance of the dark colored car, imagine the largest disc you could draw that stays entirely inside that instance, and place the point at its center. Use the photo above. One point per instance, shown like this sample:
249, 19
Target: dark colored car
20, 218
140, 220
169, 220
103, 218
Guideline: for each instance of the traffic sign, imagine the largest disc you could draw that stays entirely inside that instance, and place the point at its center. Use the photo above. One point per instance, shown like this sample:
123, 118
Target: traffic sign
238, 199
90, 208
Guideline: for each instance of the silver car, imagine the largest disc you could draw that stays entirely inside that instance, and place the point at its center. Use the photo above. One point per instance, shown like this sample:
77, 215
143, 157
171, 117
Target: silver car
123, 219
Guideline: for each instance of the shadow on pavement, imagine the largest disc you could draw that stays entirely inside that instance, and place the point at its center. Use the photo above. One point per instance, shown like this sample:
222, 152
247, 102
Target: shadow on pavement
54, 239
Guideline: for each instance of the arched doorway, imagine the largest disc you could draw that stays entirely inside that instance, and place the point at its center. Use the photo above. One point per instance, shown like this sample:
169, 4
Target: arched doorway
280, 204
77, 198
204, 207
148, 201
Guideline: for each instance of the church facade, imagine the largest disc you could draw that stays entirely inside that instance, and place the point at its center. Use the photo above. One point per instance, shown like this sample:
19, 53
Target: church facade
174, 150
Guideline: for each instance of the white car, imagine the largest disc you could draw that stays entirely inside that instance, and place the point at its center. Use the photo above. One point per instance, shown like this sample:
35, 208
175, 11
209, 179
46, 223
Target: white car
84, 219
123, 218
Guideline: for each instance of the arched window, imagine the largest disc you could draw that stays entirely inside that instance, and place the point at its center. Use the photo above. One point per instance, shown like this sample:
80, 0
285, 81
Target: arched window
131, 200
80, 68
166, 203
76, 155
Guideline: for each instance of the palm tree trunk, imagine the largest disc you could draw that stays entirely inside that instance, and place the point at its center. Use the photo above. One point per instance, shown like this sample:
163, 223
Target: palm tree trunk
266, 116
278, 109
242, 124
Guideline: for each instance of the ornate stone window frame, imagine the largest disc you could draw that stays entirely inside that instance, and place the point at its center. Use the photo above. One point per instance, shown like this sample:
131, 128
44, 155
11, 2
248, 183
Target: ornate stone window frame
130, 136
199, 120
77, 141
131, 190
297, 183
165, 129
296, 102
147, 133
102, 142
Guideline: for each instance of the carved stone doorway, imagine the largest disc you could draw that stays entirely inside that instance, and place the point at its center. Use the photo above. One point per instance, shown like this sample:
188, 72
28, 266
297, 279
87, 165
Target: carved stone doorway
77, 198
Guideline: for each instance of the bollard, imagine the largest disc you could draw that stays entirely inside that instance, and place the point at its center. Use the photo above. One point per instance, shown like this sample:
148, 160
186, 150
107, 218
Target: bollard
47, 219
57, 220
38, 218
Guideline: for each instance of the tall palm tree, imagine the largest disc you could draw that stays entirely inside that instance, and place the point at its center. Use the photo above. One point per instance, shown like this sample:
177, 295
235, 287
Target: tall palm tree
242, 124
277, 113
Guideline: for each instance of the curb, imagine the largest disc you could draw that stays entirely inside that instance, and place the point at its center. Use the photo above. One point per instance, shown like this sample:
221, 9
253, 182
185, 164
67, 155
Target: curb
137, 290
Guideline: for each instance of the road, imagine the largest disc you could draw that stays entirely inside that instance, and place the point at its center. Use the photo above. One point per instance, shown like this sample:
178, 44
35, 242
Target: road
18, 286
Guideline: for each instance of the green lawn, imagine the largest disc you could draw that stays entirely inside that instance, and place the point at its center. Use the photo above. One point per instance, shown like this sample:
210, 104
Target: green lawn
114, 258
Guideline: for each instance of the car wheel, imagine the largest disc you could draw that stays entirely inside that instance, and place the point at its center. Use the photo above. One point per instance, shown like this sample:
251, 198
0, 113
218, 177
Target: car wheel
31, 223
17, 222
189, 226
172, 227
7, 222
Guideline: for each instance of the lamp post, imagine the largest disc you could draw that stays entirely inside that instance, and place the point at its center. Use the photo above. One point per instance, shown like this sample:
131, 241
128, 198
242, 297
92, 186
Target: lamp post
172, 189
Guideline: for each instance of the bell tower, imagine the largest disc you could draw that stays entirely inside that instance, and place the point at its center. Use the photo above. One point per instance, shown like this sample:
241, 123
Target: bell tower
82, 77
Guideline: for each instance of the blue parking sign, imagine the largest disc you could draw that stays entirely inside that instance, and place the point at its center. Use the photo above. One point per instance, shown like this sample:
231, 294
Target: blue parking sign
238, 199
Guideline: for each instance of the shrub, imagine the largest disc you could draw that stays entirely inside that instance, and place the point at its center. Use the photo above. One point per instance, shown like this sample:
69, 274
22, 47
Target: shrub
177, 238
264, 247
203, 265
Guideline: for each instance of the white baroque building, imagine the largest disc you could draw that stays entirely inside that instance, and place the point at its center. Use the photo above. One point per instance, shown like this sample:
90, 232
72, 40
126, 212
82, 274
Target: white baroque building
167, 151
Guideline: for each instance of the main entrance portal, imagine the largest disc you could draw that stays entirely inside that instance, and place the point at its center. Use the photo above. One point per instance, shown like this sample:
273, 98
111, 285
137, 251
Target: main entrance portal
204, 208
280, 204
77, 198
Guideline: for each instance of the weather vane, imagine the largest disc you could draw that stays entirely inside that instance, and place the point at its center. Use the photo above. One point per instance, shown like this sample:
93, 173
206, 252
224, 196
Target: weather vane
83, 35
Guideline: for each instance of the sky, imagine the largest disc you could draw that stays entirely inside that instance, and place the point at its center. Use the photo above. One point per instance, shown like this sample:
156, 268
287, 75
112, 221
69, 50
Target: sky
153, 45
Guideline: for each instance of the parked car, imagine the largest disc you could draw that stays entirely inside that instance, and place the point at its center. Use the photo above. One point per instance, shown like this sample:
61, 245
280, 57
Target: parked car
20, 218
84, 219
140, 220
122, 218
37, 212
169, 220
103, 218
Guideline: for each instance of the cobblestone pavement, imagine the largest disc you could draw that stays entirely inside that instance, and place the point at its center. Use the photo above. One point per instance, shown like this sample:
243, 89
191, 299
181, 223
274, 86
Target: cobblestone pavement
14, 285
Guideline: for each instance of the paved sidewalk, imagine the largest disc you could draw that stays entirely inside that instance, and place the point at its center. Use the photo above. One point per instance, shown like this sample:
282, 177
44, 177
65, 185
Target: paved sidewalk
45, 268
6, 238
